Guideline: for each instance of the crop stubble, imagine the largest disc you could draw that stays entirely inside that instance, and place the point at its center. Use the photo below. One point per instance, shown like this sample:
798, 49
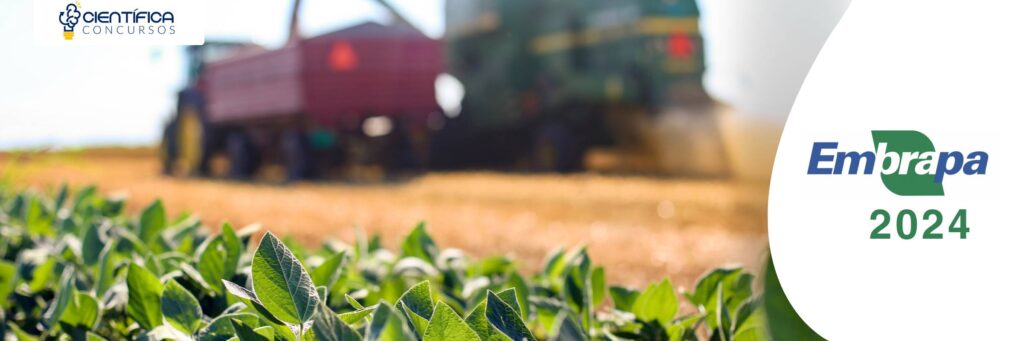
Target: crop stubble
640, 228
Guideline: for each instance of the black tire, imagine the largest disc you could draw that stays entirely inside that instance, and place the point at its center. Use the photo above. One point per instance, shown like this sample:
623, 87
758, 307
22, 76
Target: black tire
555, 149
296, 155
242, 155
189, 139
168, 148
448, 146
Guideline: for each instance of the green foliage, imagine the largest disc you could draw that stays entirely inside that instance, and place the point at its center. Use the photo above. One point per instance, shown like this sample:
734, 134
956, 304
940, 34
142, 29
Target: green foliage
180, 308
448, 325
152, 220
657, 304
74, 266
506, 319
281, 283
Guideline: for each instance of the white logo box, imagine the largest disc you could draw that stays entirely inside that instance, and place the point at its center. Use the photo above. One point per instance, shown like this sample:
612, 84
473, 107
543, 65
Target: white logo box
118, 22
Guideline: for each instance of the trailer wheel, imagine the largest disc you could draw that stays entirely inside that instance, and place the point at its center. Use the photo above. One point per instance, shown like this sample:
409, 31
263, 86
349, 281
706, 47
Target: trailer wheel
169, 148
296, 155
188, 142
556, 150
242, 156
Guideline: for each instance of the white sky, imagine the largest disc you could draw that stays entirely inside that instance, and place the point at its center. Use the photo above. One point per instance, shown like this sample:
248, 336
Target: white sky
758, 52
92, 95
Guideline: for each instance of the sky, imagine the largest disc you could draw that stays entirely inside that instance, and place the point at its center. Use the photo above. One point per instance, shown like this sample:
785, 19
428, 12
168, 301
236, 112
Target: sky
757, 52
67, 97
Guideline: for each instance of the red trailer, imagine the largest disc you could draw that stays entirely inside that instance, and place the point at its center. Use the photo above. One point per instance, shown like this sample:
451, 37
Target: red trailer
363, 94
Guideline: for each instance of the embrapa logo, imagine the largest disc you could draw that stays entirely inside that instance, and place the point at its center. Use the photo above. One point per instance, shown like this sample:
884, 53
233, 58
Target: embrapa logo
905, 159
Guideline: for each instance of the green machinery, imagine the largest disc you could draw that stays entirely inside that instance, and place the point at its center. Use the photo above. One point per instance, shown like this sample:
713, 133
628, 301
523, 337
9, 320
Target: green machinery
547, 80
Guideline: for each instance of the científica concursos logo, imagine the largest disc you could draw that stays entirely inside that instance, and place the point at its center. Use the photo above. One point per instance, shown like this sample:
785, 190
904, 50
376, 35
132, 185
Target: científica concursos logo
115, 22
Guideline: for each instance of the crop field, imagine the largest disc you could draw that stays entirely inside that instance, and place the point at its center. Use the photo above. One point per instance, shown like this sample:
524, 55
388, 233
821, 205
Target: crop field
75, 265
640, 229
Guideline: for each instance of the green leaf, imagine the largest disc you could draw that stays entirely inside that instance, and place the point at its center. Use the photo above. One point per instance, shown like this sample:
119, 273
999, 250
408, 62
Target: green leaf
735, 285
419, 300
82, 197
568, 330
327, 327
705, 290
282, 331
722, 316
490, 266
42, 275
477, 320
180, 308
211, 264
753, 328
105, 272
419, 244
321, 292
249, 298
60, 303
221, 328
126, 241
82, 311
744, 314
152, 221
329, 271
388, 325
8, 280
193, 275
418, 323
509, 296
281, 283
357, 315
92, 244
37, 220
144, 292
233, 249
247, 333
152, 263
447, 325
20, 334
597, 286
554, 266
657, 303
353, 302
506, 319
62, 195
576, 291
522, 293
548, 310
624, 298
164, 332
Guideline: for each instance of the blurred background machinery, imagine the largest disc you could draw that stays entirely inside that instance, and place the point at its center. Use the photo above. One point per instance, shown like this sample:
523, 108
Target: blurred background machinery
549, 81
548, 86
360, 95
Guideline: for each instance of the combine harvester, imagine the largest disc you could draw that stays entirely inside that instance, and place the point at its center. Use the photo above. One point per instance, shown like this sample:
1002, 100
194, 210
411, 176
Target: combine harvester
549, 86
549, 83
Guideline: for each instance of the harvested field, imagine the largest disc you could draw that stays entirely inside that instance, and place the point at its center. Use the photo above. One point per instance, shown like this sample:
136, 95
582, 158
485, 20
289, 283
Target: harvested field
640, 228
